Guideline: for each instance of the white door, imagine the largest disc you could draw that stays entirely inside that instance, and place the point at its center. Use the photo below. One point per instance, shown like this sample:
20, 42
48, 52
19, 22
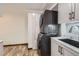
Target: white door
33, 29
30, 36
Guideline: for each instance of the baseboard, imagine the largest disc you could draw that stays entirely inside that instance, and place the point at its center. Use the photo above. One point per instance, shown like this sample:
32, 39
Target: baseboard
29, 48
16, 44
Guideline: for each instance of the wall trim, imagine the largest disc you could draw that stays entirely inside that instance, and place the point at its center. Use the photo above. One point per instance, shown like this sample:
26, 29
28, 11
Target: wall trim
16, 44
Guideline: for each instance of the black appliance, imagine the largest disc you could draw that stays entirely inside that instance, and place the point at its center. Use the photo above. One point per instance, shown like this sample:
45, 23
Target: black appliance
44, 45
48, 28
48, 17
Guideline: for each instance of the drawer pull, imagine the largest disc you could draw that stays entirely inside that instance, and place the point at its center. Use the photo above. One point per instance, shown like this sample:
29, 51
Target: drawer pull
60, 50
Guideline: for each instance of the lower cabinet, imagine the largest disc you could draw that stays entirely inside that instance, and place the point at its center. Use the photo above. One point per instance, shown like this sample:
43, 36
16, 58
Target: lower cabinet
54, 49
67, 53
58, 49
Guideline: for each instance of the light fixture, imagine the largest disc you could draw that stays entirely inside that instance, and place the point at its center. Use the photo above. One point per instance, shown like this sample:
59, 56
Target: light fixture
33, 14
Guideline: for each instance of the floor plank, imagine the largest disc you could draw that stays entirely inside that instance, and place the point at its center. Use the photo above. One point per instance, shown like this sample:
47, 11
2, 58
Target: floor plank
19, 50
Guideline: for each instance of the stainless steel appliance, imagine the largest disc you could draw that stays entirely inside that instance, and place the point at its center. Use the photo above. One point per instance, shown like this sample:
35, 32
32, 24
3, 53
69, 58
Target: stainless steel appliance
47, 18
48, 28
51, 29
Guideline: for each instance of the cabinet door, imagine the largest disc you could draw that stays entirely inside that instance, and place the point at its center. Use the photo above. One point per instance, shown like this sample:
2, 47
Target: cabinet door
68, 53
63, 12
76, 11
54, 48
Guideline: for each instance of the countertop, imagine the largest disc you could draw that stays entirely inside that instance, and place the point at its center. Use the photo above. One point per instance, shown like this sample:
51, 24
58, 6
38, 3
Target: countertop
66, 44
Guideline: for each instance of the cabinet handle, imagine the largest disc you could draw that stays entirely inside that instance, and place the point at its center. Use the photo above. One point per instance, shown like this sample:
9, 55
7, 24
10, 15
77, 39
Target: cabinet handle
73, 15
60, 50
70, 16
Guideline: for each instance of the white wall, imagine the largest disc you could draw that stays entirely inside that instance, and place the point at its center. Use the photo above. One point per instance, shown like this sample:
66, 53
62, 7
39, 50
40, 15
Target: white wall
13, 29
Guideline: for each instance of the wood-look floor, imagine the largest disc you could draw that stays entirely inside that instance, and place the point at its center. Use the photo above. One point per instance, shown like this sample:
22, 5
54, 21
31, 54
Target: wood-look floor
19, 50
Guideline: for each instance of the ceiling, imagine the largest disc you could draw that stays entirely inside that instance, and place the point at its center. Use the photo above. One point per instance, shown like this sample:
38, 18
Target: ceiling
24, 6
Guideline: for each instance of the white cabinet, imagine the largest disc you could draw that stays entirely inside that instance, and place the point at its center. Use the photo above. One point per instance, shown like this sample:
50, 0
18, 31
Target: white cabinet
76, 11
64, 9
1, 48
68, 53
58, 49
54, 48
63, 12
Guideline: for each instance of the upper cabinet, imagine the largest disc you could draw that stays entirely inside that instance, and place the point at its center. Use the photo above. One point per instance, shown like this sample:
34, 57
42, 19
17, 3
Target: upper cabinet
76, 11
68, 12
63, 12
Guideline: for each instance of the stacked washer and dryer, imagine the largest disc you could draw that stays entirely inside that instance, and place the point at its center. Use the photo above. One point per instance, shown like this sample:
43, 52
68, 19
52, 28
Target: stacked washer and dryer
49, 27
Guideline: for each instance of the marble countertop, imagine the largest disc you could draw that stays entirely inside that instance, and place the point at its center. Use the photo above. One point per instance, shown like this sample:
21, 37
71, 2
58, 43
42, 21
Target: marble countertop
66, 44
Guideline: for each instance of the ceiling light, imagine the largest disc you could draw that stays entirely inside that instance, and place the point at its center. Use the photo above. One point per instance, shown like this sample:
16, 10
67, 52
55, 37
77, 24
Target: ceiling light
33, 14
